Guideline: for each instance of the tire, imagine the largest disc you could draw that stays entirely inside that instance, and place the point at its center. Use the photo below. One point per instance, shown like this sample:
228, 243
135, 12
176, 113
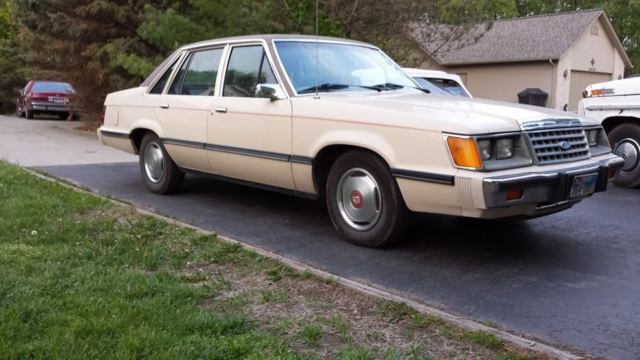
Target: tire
625, 142
364, 201
28, 113
169, 177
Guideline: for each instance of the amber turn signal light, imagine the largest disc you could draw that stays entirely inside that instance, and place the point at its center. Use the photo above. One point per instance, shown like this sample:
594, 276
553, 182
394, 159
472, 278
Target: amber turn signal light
514, 194
464, 152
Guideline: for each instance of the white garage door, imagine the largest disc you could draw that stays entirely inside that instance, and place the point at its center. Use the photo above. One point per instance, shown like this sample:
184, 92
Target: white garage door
579, 81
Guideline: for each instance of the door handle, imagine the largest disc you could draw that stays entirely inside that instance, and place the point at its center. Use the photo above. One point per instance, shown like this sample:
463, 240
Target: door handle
165, 106
220, 109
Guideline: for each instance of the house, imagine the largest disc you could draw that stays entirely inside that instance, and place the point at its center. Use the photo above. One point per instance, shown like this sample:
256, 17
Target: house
558, 53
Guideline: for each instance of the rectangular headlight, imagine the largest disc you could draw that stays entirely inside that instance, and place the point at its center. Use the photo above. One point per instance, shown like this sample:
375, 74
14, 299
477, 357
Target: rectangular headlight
504, 149
485, 148
488, 152
592, 136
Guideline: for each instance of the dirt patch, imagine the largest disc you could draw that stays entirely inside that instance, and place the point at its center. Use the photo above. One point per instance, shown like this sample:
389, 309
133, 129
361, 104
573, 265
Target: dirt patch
325, 319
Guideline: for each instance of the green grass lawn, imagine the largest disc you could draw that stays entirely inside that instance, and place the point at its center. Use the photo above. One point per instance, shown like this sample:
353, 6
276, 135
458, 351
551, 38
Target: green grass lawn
84, 278
79, 279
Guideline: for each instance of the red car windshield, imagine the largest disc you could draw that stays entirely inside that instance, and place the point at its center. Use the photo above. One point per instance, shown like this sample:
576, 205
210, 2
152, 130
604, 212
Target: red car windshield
58, 87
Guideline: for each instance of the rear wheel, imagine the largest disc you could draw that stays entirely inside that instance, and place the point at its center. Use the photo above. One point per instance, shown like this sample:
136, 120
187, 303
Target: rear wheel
160, 174
364, 201
625, 142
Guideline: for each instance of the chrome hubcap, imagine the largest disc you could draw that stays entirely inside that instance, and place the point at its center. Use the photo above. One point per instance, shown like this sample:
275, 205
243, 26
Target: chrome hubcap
629, 150
359, 199
153, 162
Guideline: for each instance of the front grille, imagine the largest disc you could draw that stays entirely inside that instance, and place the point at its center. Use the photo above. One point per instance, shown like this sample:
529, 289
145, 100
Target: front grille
559, 145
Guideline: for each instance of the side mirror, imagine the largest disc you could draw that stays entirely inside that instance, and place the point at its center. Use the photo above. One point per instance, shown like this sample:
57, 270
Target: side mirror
272, 92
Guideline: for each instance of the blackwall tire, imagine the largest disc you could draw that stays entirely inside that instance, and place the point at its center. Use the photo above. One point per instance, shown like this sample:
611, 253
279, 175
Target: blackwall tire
364, 201
159, 173
625, 142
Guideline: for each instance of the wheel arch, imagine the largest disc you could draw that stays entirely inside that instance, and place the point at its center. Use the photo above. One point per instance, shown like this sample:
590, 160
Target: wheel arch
613, 121
136, 135
327, 156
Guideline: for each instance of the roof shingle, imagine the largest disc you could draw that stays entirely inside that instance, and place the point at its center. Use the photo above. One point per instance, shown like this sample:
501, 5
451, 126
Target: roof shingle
530, 38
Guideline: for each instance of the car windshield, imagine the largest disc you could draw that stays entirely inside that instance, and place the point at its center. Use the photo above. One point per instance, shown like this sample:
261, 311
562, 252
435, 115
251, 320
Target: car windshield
330, 67
58, 87
447, 85
425, 84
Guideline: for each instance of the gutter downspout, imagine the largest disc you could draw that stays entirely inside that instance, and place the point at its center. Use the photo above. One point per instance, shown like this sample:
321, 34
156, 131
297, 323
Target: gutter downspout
553, 83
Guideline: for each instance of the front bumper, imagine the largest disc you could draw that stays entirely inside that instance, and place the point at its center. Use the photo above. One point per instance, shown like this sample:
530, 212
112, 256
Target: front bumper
548, 189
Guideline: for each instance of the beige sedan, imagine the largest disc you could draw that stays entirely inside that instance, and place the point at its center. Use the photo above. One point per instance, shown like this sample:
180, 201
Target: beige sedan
338, 120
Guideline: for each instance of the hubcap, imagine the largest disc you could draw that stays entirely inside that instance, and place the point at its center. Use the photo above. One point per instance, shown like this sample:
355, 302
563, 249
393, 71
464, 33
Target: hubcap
154, 162
359, 199
629, 150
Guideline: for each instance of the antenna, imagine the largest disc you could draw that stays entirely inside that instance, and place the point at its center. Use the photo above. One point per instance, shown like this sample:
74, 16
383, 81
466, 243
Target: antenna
317, 96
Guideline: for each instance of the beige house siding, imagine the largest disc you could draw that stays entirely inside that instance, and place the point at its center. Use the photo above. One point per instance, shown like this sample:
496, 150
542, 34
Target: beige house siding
618, 66
562, 85
503, 82
593, 44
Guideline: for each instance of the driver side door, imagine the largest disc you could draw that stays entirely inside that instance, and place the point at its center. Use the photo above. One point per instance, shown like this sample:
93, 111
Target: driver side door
249, 136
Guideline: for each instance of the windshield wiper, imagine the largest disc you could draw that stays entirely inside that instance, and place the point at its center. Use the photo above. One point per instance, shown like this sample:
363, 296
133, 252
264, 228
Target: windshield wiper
393, 86
334, 86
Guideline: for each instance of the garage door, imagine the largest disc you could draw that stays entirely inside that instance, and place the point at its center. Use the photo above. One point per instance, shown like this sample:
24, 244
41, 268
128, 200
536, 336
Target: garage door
579, 81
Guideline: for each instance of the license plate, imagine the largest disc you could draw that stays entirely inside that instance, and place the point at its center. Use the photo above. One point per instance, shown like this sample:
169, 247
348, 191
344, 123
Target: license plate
583, 185
56, 100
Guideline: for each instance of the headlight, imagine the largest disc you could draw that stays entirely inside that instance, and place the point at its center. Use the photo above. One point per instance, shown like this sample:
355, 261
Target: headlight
485, 149
504, 149
592, 135
597, 139
491, 152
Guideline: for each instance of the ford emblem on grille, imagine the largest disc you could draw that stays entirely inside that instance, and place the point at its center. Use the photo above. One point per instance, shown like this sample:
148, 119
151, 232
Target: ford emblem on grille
565, 145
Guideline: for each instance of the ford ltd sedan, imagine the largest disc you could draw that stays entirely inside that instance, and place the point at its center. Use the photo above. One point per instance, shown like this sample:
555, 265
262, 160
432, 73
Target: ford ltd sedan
339, 121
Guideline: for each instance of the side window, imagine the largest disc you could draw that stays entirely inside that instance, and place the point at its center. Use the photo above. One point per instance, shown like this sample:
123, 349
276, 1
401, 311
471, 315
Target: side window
159, 86
197, 75
248, 67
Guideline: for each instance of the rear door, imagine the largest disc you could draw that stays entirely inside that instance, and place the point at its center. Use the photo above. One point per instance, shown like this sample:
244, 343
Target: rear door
182, 111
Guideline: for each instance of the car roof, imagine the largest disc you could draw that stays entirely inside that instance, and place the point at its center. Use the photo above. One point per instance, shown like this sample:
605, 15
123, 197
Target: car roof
258, 37
271, 37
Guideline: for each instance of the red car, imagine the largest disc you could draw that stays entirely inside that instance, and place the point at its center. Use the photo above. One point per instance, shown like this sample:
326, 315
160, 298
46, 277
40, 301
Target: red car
47, 97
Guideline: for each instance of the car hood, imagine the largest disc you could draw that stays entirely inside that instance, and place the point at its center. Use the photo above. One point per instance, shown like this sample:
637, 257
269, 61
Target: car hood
436, 112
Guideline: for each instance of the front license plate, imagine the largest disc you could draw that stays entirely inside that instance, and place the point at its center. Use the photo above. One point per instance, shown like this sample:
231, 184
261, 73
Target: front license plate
583, 185
56, 100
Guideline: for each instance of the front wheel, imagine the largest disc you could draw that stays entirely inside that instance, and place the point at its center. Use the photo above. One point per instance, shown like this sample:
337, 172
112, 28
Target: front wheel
625, 142
364, 201
160, 174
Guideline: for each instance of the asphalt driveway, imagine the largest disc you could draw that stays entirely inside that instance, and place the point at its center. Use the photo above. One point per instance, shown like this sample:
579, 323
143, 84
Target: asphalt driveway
572, 278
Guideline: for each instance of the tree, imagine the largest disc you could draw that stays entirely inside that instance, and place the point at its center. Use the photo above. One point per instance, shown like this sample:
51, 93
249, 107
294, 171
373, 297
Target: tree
10, 63
80, 42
